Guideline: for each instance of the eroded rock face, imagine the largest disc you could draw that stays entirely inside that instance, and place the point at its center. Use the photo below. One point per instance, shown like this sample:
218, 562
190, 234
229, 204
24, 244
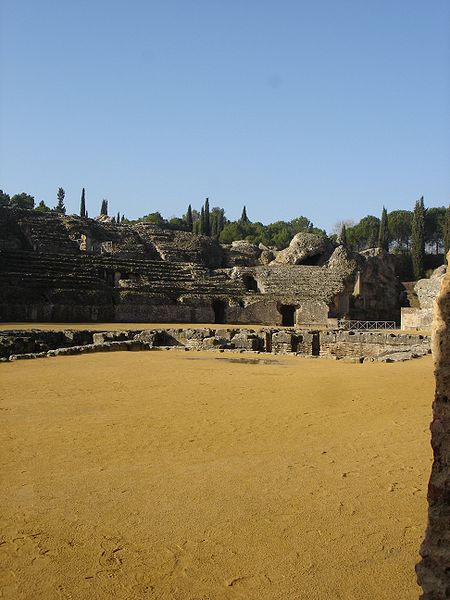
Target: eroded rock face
302, 247
428, 289
433, 571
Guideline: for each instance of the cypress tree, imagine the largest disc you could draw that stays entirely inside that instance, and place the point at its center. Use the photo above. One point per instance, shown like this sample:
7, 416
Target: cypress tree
220, 222
196, 227
83, 212
61, 194
447, 233
213, 220
104, 207
189, 220
202, 221
383, 233
418, 239
207, 230
244, 218
122, 219
343, 236
118, 218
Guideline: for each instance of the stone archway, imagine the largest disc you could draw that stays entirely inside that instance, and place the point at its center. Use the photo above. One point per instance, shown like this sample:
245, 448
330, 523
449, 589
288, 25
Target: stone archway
219, 308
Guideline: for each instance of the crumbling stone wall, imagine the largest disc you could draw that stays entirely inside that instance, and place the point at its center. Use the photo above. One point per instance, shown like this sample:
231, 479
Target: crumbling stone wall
344, 344
434, 569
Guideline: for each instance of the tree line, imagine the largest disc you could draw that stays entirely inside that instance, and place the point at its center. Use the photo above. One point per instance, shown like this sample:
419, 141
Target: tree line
212, 222
413, 234
27, 201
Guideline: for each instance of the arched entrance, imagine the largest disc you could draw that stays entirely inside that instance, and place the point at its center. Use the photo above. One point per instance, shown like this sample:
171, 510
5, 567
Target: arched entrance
287, 314
218, 307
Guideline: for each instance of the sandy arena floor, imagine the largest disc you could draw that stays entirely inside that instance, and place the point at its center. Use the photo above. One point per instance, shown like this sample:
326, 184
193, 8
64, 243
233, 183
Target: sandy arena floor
190, 475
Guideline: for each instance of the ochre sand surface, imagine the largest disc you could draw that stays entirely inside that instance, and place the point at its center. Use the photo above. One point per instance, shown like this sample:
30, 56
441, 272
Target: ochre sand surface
194, 475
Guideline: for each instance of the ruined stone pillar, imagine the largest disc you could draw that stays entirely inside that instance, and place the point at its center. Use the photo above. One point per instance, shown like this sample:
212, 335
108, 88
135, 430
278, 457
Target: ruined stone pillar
433, 571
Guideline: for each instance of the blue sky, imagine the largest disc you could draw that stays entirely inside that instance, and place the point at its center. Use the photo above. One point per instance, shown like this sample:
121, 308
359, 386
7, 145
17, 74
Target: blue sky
327, 109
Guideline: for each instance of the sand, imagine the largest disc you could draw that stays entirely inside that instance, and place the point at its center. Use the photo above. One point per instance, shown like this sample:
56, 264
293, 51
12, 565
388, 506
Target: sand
190, 475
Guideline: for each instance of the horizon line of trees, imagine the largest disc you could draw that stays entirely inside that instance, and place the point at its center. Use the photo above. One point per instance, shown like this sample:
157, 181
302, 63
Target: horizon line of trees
26, 201
412, 234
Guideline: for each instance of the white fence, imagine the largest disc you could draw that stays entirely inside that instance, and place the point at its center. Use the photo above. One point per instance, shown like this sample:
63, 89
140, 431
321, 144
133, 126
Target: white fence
366, 325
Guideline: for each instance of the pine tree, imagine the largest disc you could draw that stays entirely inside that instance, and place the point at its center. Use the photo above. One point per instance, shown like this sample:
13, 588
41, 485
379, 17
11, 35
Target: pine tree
118, 218
447, 232
244, 218
83, 212
61, 194
418, 239
383, 233
189, 220
207, 228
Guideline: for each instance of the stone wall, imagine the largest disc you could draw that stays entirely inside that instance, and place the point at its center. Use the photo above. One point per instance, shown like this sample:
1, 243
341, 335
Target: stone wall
420, 319
434, 569
428, 289
32, 343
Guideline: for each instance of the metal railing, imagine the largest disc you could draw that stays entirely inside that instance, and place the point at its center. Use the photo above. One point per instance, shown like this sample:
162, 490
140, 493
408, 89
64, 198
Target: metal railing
348, 325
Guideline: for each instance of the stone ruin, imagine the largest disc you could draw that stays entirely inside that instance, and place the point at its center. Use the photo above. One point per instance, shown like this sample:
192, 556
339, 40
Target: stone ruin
433, 571
362, 346
420, 317
71, 269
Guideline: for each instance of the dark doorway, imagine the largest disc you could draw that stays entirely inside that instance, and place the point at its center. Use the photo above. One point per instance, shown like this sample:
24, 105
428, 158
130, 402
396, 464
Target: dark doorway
218, 307
250, 283
287, 314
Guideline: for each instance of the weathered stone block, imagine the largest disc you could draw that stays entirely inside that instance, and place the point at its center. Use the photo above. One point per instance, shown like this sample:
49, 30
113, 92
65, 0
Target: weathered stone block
434, 569
283, 341
247, 340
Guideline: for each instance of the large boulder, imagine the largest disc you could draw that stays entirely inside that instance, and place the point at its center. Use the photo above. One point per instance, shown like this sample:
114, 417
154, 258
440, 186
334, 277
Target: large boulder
242, 254
428, 289
304, 248
342, 261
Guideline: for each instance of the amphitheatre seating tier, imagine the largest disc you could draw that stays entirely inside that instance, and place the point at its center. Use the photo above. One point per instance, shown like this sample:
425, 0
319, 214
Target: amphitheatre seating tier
37, 269
307, 282
46, 231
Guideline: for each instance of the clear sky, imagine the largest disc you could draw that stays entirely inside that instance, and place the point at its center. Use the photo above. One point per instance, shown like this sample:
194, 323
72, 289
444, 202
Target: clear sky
322, 108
